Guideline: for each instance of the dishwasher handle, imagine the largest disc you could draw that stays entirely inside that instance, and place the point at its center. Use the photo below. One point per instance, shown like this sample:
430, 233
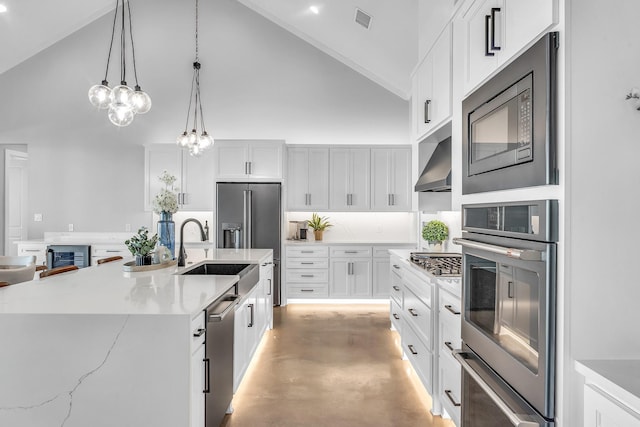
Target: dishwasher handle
219, 316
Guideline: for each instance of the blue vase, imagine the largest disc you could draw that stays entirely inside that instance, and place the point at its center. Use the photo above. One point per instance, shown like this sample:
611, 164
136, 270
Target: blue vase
167, 232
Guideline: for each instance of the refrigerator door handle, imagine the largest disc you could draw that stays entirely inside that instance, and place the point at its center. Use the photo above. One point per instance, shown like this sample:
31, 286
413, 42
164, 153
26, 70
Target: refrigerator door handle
247, 219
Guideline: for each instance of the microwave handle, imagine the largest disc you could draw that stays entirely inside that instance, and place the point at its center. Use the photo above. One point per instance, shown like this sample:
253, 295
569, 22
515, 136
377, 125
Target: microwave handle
523, 254
513, 417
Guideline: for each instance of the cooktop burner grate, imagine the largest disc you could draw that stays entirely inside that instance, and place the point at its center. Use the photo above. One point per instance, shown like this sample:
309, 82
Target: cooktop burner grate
438, 263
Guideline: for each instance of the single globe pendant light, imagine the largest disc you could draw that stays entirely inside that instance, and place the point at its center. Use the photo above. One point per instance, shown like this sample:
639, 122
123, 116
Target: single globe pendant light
196, 140
122, 102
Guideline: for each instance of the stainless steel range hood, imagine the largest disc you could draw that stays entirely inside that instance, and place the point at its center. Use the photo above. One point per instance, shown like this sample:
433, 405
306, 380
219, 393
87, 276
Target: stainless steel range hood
436, 176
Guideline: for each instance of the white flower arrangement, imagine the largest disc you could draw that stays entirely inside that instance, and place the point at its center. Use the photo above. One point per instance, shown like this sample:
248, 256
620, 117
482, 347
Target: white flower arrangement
167, 199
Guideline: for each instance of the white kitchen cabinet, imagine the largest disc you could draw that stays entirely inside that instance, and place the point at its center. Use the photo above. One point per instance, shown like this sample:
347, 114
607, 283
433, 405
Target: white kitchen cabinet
307, 271
391, 179
349, 179
39, 250
246, 338
449, 372
307, 178
431, 102
433, 16
350, 278
604, 410
497, 30
198, 370
248, 160
266, 279
194, 175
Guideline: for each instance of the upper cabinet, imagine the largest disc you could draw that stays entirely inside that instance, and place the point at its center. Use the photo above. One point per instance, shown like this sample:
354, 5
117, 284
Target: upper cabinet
307, 178
349, 179
496, 30
391, 179
248, 160
194, 175
433, 16
431, 103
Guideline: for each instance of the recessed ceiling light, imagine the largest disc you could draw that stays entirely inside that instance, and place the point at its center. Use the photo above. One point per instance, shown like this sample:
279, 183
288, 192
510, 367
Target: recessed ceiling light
314, 10
3, 8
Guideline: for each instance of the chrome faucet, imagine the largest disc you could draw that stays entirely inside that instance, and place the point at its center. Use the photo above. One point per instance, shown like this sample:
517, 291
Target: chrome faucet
182, 253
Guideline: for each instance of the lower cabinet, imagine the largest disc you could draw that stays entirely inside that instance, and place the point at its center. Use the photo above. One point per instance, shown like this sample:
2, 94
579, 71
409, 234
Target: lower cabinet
350, 278
197, 386
245, 339
449, 373
603, 410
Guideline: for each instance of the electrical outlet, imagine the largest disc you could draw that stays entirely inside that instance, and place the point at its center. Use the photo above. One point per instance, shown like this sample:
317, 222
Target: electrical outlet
37, 217
70, 227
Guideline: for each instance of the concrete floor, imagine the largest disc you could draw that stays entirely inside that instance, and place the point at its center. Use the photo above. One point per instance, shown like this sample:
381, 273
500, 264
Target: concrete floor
331, 365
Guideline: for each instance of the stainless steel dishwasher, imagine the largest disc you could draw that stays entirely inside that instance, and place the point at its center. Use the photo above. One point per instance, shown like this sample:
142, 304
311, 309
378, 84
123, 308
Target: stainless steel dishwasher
219, 358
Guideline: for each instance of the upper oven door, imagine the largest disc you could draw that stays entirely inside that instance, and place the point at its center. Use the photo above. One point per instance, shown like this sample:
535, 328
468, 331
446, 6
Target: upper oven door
508, 124
508, 312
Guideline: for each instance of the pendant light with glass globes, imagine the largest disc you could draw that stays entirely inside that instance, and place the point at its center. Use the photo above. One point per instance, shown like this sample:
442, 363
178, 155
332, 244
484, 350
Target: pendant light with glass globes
195, 141
122, 102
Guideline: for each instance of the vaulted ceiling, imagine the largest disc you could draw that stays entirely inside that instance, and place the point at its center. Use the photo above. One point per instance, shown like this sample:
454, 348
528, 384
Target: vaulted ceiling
385, 53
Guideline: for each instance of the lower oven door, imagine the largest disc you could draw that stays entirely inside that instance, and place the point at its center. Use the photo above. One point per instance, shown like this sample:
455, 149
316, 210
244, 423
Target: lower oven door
487, 401
508, 315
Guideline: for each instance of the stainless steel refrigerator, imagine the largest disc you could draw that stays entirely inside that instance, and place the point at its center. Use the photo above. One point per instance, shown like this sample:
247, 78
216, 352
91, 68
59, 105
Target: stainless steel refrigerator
249, 216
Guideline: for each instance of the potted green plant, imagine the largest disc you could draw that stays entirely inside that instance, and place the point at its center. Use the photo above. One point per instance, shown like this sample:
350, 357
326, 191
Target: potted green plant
318, 224
435, 232
140, 245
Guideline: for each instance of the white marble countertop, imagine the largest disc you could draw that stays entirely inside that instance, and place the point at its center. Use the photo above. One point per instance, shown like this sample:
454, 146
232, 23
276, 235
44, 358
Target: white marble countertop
107, 289
619, 378
347, 242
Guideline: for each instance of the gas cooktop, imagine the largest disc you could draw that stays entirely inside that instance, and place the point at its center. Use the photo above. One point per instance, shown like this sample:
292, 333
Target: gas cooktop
438, 263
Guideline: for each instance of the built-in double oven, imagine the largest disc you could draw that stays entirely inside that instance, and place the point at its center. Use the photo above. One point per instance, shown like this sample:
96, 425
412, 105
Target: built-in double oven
509, 313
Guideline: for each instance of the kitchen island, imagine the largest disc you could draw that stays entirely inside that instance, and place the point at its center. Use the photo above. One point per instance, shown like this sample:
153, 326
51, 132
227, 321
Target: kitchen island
104, 347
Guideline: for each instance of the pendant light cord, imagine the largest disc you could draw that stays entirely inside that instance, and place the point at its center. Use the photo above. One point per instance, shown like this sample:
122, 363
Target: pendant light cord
123, 55
113, 33
133, 49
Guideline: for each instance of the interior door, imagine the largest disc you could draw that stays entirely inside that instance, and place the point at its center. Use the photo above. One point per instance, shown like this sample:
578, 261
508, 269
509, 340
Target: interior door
15, 193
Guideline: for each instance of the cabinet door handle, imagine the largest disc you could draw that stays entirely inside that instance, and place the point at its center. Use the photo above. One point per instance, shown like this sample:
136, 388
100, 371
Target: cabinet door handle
250, 325
487, 35
199, 332
309, 195
452, 310
449, 395
270, 286
413, 312
510, 289
448, 345
207, 388
426, 111
350, 268
494, 46
395, 316
393, 199
389, 199
412, 349
396, 266
246, 168
396, 288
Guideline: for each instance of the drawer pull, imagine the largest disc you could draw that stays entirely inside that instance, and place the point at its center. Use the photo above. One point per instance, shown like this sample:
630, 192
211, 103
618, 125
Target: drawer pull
395, 316
33, 250
412, 349
413, 312
350, 252
396, 288
448, 345
450, 396
306, 290
306, 252
306, 275
307, 263
451, 309
199, 332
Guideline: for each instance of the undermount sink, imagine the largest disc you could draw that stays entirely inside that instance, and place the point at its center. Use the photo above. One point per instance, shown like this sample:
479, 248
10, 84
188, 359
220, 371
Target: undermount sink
249, 273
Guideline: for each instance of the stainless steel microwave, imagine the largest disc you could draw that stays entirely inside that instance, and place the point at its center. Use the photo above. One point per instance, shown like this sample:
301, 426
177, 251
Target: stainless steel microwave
509, 132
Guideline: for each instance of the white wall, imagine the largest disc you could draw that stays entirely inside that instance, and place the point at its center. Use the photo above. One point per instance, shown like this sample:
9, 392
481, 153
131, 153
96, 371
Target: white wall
258, 81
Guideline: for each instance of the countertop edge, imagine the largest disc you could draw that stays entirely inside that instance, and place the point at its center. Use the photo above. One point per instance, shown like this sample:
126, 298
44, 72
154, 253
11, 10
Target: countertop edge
603, 375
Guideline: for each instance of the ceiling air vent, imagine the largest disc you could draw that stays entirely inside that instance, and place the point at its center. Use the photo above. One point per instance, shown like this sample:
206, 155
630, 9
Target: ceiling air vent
363, 18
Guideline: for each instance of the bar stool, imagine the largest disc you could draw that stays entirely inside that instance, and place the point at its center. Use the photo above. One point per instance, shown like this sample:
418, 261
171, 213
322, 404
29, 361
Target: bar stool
58, 270
16, 269
111, 258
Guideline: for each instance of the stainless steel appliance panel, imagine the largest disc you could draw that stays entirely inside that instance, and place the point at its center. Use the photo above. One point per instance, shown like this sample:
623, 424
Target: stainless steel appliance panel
256, 209
489, 401
509, 312
64, 255
509, 124
219, 358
